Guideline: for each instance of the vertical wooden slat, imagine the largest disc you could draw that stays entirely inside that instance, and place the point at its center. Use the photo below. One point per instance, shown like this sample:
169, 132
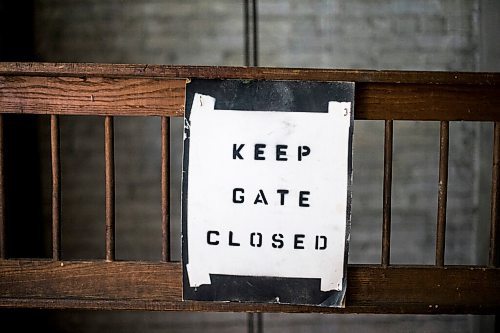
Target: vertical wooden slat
109, 155
56, 186
442, 192
165, 187
495, 197
386, 227
2, 195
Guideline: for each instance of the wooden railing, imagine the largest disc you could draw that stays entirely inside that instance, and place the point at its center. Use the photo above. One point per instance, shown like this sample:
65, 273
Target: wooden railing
146, 90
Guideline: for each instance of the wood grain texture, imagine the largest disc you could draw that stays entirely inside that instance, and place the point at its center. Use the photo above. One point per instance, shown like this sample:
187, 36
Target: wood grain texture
157, 286
55, 157
494, 252
387, 193
109, 184
257, 73
383, 101
92, 96
378, 95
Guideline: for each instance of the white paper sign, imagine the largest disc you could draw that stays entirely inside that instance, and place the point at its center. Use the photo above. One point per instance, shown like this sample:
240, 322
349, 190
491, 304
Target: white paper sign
267, 193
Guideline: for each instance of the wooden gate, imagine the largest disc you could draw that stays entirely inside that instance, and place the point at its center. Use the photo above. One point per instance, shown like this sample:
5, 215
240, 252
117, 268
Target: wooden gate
146, 90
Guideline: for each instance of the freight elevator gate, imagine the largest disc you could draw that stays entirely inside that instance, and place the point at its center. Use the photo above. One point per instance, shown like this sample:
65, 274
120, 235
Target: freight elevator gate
143, 90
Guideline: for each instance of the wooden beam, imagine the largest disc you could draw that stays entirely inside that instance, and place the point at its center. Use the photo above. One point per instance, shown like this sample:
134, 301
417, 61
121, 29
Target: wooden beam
257, 73
158, 286
386, 101
166, 97
92, 96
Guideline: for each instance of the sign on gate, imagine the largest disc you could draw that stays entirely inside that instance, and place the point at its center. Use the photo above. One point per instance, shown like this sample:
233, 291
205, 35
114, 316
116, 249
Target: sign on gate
266, 191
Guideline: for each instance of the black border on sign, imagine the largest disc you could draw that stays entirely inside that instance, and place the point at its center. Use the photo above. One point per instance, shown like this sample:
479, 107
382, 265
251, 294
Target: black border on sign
281, 96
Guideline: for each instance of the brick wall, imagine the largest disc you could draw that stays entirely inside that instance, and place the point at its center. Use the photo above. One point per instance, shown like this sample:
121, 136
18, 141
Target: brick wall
372, 34
423, 35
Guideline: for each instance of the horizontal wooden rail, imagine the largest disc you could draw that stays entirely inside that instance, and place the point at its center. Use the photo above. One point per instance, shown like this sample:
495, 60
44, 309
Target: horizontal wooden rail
93, 89
92, 96
256, 73
393, 101
157, 286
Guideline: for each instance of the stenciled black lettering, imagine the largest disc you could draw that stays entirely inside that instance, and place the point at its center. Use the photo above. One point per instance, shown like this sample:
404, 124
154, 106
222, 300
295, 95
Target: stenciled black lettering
280, 152
298, 243
252, 239
277, 241
282, 196
259, 151
241, 197
304, 199
237, 150
261, 198
231, 241
303, 151
209, 237
323, 246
